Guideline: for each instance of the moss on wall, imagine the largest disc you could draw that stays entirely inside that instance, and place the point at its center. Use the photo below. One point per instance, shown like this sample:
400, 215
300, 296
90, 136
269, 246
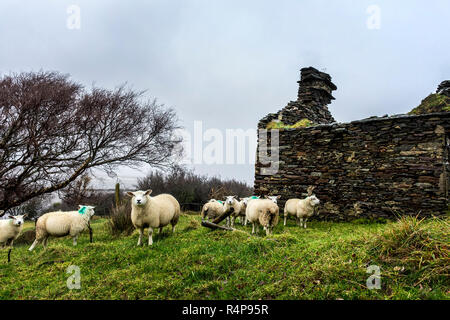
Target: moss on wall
433, 103
303, 123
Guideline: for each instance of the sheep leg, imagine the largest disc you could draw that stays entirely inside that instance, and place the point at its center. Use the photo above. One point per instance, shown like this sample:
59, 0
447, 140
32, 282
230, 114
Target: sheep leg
285, 217
301, 222
257, 228
44, 243
253, 228
74, 240
173, 228
304, 225
233, 220
160, 230
141, 234
150, 239
33, 245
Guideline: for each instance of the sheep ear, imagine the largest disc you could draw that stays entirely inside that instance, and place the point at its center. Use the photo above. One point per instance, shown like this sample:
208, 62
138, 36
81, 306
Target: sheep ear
278, 197
130, 194
80, 206
1, 211
266, 197
25, 215
148, 192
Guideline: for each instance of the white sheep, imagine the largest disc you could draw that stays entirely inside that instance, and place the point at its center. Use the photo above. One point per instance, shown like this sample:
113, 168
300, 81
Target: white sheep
153, 212
301, 209
212, 209
263, 212
62, 223
10, 229
273, 198
231, 203
245, 202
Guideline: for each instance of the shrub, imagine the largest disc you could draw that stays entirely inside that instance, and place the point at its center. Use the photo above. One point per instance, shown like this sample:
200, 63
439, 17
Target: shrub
120, 219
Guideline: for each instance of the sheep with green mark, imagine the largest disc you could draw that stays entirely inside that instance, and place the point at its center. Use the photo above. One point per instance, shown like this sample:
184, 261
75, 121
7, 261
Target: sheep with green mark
62, 223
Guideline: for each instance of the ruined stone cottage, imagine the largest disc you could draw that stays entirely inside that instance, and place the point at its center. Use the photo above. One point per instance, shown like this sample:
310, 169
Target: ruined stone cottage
376, 167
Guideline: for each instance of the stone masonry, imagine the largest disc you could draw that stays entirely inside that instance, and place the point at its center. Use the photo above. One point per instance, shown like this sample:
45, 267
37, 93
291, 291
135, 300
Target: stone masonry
376, 167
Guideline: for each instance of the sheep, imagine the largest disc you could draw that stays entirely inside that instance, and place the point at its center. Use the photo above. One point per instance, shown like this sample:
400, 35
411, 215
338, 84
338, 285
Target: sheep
301, 209
212, 209
231, 203
245, 202
62, 223
153, 212
273, 198
10, 229
264, 212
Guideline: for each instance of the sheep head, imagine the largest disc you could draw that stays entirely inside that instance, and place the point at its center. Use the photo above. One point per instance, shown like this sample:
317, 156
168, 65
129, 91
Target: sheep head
313, 201
139, 198
18, 220
273, 198
86, 210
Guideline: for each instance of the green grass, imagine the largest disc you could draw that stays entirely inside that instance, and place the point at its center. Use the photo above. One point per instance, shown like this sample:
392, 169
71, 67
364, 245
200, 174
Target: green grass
325, 261
303, 123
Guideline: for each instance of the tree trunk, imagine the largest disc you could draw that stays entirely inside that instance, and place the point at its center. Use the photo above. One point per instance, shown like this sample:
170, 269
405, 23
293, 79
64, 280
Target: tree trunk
215, 223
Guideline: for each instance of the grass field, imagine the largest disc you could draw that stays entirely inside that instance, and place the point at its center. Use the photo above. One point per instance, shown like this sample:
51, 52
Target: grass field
325, 261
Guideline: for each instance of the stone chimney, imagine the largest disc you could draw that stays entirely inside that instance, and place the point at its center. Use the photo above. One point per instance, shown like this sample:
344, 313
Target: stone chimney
314, 94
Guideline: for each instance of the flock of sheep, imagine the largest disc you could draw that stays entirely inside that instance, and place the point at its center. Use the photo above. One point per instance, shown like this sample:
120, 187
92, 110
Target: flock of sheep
160, 211
264, 212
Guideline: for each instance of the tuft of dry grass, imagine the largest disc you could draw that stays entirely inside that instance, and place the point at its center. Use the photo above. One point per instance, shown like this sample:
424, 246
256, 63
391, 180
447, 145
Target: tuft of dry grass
192, 224
418, 249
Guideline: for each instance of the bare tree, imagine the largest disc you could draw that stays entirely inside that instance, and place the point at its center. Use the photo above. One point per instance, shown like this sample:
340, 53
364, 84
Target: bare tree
52, 131
78, 192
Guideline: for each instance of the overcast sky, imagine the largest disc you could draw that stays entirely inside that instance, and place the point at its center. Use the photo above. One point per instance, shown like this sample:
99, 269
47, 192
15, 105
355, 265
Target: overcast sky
229, 63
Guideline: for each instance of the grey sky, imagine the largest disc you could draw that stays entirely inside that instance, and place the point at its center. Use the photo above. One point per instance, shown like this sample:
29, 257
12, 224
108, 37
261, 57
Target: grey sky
229, 63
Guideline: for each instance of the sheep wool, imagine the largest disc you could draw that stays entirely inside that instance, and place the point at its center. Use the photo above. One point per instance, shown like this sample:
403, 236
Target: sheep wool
262, 212
212, 209
62, 223
153, 212
301, 209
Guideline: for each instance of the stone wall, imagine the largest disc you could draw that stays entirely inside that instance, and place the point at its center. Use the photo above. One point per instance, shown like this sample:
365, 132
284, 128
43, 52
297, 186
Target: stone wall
378, 167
